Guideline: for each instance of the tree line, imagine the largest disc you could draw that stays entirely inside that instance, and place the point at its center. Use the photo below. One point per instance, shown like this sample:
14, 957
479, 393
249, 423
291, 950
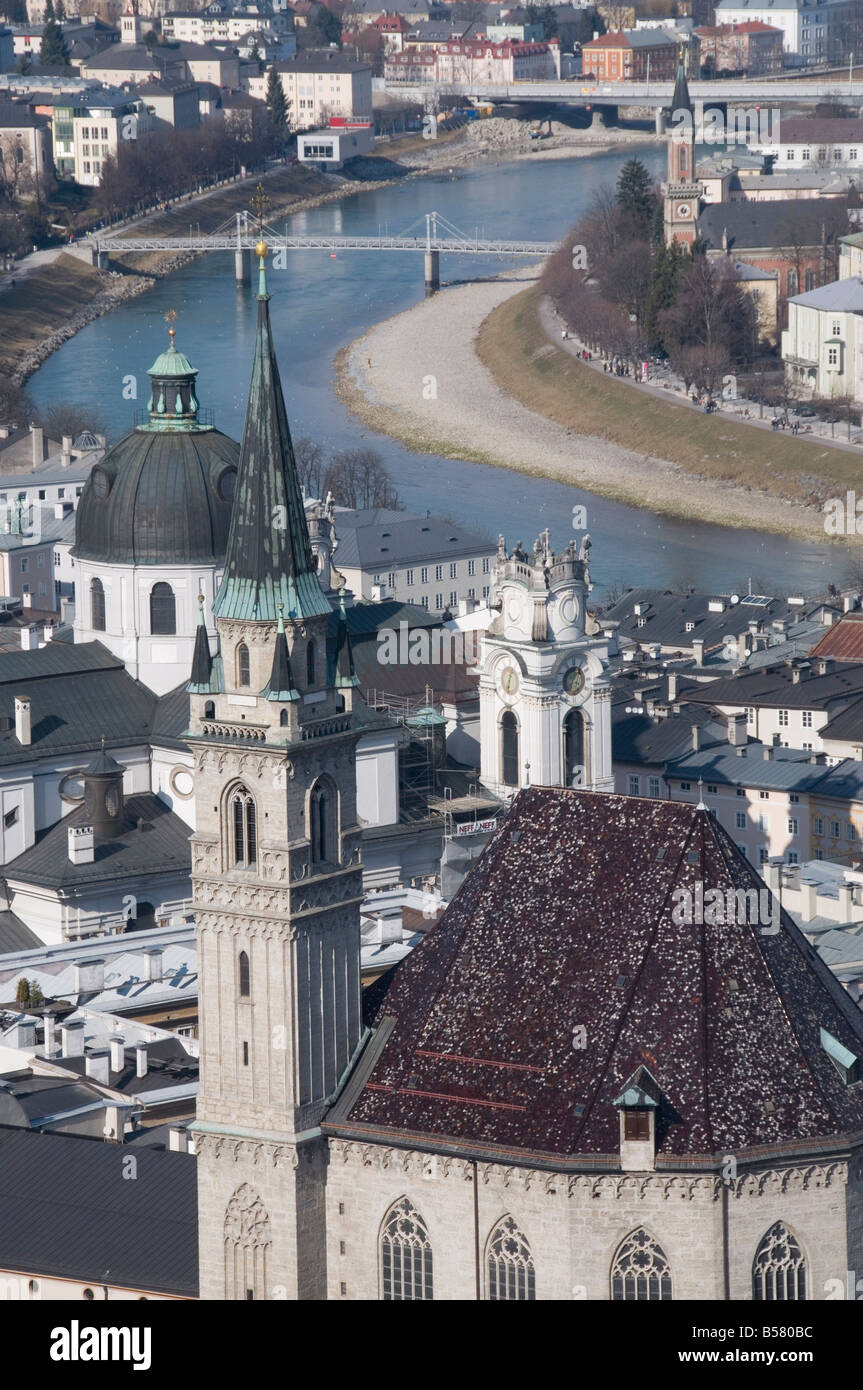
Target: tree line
356, 478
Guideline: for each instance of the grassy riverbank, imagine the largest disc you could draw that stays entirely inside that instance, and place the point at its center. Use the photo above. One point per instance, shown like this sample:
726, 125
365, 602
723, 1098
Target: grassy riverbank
515, 349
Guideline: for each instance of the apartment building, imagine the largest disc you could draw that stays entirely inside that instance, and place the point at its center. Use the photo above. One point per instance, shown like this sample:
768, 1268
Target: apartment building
320, 83
814, 31
210, 26
822, 347
479, 60
636, 55
751, 49
423, 560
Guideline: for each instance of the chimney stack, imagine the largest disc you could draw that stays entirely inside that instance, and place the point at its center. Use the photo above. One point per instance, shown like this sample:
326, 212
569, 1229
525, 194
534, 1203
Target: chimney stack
178, 1139
809, 893
23, 1034
696, 737
737, 735
22, 720
82, 848
66, 455
153, 963
37, 439
698, 650
73, 1038
50, 1044
113, 1129
118, 1051
89, 974
846, 902
29, 639
141, 1059
672, 685
97, 1066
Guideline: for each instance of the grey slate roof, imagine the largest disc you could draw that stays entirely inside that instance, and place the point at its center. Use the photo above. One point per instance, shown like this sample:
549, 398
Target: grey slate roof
15, 935
321, 60
377, 538
66, 1211
78, 694
161, 846
844, 295
774, 688
667, 613
764, 226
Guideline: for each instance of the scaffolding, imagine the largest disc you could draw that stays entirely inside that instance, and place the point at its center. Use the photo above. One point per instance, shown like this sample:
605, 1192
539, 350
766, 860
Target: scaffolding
422, 751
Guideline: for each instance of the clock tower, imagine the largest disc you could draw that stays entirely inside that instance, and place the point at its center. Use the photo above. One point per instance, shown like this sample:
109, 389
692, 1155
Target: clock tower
682, 192
545, 700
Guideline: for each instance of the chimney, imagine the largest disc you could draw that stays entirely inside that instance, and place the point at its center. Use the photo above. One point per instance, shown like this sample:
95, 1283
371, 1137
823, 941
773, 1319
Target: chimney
777, 741
153, 963
65, 606
672, 685
22, 1034
141, 1059
50, 1043
113, 1128
29, 639
66, 455
48, 633
178, 1139
118, 1051
89, 974
389, 929
768, 753
737, 735
809, 893
22, 720
37, 439
81, 844
698, 650
773, 877
59, 511
97, 1066
846, 902
27, 602
73, 1038
696, 737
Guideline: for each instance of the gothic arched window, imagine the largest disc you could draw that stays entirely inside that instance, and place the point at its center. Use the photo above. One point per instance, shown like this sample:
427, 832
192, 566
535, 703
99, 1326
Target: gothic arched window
209, 709
573, 749
509, 749
509, 1264
243, 670
97, 605
244, 829
247, 1242
407, 1273
640, 1271
322, 827
245, 977
311, 665
779, 1268
163, 611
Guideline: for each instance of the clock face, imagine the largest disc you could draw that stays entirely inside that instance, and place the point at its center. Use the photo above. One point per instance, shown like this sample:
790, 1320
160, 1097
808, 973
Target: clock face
683, 210
509, 680
573, 681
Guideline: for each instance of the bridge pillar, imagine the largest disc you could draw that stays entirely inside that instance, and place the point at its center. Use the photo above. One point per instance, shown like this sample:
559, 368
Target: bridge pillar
660, 120
597, 119
243, 267
99, 258
432, 272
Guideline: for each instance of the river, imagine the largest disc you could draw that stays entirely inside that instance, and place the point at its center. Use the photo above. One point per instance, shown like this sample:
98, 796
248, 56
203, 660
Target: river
319, 304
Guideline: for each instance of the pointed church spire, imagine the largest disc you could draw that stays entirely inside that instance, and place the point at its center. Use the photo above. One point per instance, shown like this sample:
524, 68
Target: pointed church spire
202, 662
681, 100
344, 657
281, 684
269, 560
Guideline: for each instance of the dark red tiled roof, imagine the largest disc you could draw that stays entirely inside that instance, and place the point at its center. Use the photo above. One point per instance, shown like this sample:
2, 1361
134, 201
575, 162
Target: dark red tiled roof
566, 923
843, 641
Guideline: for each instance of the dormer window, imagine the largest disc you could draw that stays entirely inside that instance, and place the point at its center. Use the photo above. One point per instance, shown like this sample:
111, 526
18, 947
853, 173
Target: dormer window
636, 1124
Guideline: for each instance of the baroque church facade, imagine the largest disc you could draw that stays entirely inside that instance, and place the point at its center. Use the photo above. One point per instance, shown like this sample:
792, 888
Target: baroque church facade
563, 1092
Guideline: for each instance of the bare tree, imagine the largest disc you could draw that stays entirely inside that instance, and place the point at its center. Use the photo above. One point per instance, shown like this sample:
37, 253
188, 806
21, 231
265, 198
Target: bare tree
310, 465
359, 478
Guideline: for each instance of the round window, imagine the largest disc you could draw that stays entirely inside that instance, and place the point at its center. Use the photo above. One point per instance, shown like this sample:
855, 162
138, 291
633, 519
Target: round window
227, 484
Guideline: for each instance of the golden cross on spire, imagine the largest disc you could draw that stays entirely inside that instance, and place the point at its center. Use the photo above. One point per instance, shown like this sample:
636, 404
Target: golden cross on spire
170, 319
259, 204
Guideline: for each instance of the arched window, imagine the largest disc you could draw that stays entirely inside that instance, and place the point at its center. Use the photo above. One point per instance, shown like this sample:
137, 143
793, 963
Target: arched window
640, 1271
283, 719
573, 749
244, 829
209, 709
322, 829
247, 1243
509, 749
779, 1268
791, 282
509, 1264
311, 672
163, 611
243, 672
245, 980
97, 605
407, 1274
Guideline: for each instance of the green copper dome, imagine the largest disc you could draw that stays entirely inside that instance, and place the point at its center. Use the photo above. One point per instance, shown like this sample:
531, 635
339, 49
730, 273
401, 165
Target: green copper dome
172, 363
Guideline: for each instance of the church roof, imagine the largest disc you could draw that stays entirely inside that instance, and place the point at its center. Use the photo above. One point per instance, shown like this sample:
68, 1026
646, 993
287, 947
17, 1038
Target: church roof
558, 971
680, 100
269, 556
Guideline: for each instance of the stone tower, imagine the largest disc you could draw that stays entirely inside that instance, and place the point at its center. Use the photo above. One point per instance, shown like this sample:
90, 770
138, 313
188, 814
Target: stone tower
682, 192
276, 874
130, 24
545, 701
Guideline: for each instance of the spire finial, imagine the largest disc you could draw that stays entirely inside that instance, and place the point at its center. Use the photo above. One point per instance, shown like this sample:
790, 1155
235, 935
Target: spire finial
201, 602
281, 626
171, 319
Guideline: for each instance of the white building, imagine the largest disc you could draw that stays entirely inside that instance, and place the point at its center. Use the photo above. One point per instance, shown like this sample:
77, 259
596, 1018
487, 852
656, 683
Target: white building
331, 146
417, 559
816, 30
815, 142
319, 84
108, 120
822, 347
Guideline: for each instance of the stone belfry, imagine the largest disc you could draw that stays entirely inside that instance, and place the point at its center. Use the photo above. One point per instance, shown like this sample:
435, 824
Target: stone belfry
276, 875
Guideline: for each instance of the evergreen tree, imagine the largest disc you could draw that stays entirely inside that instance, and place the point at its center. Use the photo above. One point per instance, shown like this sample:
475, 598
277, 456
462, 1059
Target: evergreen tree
22, 993
635, 198
277, 106
662, 292
54, 53
61, 12
49, 11
327, 28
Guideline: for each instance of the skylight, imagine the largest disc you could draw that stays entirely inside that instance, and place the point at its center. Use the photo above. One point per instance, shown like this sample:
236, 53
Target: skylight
845, 1062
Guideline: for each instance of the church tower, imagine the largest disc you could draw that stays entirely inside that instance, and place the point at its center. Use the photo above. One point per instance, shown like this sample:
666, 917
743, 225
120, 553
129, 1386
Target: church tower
276, 875
545, 700
682, 192
130, 24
